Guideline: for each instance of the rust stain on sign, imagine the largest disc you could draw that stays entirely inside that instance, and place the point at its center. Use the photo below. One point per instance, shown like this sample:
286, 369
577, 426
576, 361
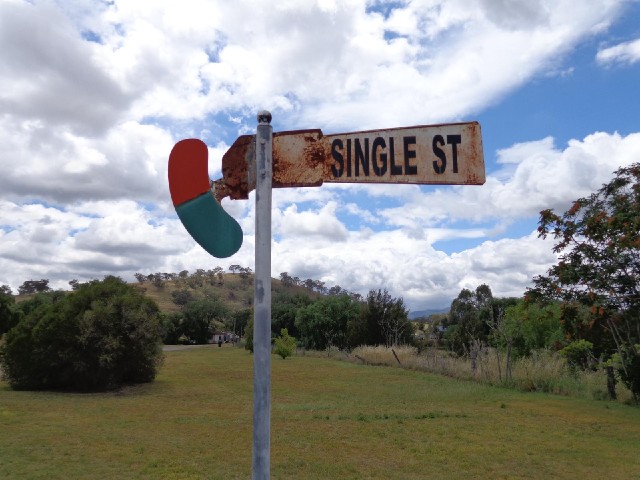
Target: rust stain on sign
448, 154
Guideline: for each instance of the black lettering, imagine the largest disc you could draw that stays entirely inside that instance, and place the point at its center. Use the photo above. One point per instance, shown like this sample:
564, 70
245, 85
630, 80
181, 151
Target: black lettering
395, 169
408, 155
378, 170
362, 157
438, 152
454, 141
337, 156
348, 157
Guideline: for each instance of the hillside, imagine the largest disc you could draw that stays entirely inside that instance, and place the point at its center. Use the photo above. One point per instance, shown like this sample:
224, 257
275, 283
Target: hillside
235, 291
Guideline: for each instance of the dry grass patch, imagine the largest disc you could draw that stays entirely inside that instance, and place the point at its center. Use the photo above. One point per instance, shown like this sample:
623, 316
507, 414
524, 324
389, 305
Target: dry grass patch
542, 372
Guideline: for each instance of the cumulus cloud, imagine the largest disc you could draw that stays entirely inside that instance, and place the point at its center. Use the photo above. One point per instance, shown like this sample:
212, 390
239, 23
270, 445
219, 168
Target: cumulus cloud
623, 53
94, 94
539, 176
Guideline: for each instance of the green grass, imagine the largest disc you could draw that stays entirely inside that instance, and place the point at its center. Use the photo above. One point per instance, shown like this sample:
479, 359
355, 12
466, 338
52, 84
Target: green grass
330, 419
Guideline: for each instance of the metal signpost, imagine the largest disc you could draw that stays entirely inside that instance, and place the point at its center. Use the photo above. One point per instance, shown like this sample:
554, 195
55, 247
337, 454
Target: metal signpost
448, 154
262, 302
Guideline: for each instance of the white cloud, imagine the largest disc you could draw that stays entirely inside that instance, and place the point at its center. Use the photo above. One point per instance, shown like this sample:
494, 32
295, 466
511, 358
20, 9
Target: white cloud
94, 94
539, 177
623, 53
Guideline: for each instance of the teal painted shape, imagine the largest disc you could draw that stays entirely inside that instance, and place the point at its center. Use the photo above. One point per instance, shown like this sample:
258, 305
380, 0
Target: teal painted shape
214, 229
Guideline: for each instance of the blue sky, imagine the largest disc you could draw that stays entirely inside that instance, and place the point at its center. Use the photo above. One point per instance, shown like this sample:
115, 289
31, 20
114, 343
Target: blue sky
94, 94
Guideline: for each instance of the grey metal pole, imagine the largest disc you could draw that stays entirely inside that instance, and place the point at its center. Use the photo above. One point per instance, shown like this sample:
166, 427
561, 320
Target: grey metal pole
262, 302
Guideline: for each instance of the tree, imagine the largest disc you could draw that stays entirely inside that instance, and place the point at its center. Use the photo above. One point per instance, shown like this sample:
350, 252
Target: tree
172, 328
286, 279
102, 336
248, 335
324, 323
469, 318
598, 242
383, 320
181, 297
200, 319
285, 344
239, 320
284, 308
8, 315
34, 286
6, 290
245, 274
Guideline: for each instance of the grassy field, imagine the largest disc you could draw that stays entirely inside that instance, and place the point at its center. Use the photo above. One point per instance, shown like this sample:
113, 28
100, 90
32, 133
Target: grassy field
330, 420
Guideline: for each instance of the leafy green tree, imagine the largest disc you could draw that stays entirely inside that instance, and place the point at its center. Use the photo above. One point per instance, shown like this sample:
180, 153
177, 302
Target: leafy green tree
200, 319
286, 279
248, 336
598, 240
8, 314
324, 323
172, 327
285, 344
579, 354
505, 332
383, 320
34, 286
181, 297
238, 320
103, 335
469, 318
284, 308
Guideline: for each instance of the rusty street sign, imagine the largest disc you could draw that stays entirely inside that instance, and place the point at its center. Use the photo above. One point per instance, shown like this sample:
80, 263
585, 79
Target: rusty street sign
447, 154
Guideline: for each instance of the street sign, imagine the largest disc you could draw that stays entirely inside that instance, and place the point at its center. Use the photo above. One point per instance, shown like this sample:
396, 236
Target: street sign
447, 154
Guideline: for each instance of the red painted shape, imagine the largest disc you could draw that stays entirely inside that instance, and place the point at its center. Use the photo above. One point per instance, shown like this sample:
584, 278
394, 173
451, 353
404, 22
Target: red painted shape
188, 170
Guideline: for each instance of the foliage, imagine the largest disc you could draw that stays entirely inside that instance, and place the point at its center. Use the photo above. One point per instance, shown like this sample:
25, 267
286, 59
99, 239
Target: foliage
248, 336
284, 309
200, 319
172, 328
469, 318
181, 297
579, 354
34, 286
239, 320
598, 240
103, 335
8, 313
324, 323
383, 320
285, 344
533, 327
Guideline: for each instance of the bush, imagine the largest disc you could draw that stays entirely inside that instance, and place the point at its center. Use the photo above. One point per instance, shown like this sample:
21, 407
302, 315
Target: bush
579, 354
285, 344
102, 336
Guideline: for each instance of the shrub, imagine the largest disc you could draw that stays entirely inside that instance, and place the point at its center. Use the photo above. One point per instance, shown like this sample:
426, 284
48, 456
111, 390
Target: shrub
579, 354
285, 344
102, 336
248, 336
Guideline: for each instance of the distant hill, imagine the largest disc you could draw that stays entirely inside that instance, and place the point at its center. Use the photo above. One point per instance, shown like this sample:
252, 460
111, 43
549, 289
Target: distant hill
425, 313
235, 290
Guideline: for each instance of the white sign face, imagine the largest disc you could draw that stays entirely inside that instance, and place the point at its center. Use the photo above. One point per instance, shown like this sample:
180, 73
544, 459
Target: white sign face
448, 154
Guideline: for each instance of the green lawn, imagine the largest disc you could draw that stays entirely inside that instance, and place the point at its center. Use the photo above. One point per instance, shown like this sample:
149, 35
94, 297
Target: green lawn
330, 420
